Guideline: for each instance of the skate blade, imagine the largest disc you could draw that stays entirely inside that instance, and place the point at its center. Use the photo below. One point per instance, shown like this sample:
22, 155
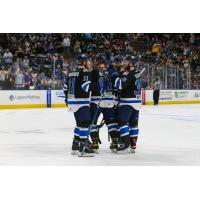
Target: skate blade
127, 151
96, 151
74, 153
85, 155
114, 150
131, 150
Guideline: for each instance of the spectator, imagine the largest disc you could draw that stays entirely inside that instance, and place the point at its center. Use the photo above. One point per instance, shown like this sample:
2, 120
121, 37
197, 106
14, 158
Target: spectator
8, 57
42, 81
3, 74
58, 72
27, 80
59, 61
160, 52
25, 63
51, 49
9, 85
27, 47
66, 44
19, 80
20, 55
155, 49
48, 63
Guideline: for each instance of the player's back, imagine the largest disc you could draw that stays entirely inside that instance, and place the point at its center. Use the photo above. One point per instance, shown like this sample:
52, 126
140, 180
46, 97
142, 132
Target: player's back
128, 84
75, 81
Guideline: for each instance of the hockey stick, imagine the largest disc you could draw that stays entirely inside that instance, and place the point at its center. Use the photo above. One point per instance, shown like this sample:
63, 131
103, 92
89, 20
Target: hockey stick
101, 124
140, 73
98, 128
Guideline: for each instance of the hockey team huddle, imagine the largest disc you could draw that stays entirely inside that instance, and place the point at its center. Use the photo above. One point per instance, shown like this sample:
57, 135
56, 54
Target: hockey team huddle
113, 90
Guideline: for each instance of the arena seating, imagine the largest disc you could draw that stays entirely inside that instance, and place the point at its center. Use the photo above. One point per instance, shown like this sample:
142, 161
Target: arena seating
42, 61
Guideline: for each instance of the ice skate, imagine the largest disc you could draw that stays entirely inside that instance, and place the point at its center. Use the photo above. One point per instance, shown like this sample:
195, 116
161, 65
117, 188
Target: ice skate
95, 146
85, 149
124, 144
95, 142
75, 147
133, 141
114, 145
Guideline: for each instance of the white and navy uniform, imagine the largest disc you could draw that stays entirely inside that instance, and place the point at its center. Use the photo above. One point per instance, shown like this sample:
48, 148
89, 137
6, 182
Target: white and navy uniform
103, 80
77, 95
129, 85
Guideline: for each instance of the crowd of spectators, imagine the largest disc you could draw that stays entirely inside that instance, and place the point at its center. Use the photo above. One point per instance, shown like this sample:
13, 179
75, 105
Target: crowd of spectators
42, 61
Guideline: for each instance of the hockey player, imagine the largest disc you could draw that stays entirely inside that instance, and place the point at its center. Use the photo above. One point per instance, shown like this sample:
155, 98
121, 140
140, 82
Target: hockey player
77, 98
129, 85
104, 79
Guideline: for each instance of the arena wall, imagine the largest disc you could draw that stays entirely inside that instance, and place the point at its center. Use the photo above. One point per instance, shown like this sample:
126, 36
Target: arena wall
57, 99
11, 99
173, 97
23, 99
31, 99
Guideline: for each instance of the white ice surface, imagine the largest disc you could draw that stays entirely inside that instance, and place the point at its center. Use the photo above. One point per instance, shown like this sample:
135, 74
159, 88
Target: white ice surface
169, 135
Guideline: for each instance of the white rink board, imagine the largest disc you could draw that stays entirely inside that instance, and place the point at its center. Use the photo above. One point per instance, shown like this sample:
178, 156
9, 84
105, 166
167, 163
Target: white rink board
31, 98
57, 98
22, 97
38, 98
174, 96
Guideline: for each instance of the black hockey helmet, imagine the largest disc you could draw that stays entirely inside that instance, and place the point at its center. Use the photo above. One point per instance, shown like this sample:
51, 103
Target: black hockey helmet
81, 59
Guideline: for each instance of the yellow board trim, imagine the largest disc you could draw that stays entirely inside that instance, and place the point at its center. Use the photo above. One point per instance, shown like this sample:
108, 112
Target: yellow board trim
58, 106
64, 105
174, 102
23, 106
